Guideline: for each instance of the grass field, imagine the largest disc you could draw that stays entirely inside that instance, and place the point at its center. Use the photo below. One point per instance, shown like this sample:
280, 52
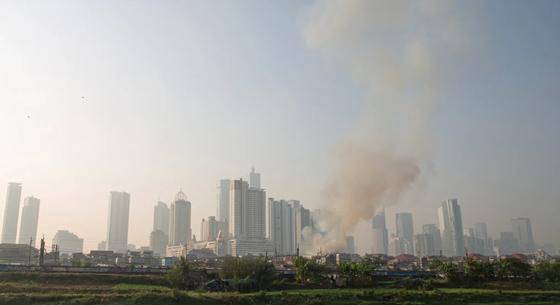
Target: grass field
32, 289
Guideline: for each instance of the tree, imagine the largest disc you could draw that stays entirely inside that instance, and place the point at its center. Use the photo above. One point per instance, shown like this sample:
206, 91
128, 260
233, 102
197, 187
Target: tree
508, 268
448, 270
547, 271
308, 270
257, 269
480, 271
180, 276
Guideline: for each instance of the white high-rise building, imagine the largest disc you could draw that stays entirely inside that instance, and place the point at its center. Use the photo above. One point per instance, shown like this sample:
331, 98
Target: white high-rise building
380, 234
281, 226
29, 221
405, 232
117, 224
247, 210
158, 242
451, 227
523, 232
424, 244
180, 230
68, 242
161, 218
302, 219
210, 228
254, 179
11, 214
432, 229
223, 201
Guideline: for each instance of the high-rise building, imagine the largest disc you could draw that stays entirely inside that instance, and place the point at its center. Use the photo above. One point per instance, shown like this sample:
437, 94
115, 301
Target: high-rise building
68, 242
237, 208
180, 230
247, 210
210, 228
302, 219
29, 221
523, 232
161, 218
380, 234
405, 232
424, 244
432, 229
451, 227
254, 179
350, 245
507, 244
480, 230
158, 242
11, 214
223, 201
281, 226
117, 224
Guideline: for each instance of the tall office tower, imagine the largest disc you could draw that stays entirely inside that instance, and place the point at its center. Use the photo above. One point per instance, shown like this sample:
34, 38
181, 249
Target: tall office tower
158, 242
161, 218
29, 221
254, 179
237, 208
209, 228
256, 214
281, 226
223, 201
117, 225
380, 234
424, 245
350, 245
507, 244
302, 219
451, 227
68, 242
432, 229
523, 232
405, 232
247, 210
395, 245
480, 230
180, 231
11, 214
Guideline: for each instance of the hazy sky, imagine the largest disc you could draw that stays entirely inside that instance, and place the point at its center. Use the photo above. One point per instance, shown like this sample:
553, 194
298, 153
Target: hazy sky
179, 94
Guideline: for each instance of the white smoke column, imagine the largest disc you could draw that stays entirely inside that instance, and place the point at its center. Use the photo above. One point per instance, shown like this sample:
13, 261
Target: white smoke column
387, 47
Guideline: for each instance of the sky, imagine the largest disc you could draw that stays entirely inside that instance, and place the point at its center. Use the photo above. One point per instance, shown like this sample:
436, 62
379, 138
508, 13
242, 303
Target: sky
149, 97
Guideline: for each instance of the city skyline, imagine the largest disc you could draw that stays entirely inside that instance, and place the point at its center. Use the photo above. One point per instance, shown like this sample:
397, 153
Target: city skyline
149, 99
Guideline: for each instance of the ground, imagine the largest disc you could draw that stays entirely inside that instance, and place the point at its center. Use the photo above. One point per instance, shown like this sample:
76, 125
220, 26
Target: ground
100, 289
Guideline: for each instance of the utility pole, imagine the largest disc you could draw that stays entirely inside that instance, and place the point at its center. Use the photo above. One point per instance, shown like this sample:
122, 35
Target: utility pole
42, 252
30, 247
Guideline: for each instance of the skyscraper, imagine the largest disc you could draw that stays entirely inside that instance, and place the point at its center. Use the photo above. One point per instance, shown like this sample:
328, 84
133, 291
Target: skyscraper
158, 242
380, 234
480, 230
11, 213
424, 244
405, 232
523, 232
254, 179
223, 201
29, 221
451, 227
209, 228
161, 218
281, 226
237, 207
117, 224
432, 229
247, 210
180, 230
302, 219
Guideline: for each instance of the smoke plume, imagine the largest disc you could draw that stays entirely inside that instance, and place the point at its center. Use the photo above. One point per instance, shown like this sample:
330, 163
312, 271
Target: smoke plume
388, 48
